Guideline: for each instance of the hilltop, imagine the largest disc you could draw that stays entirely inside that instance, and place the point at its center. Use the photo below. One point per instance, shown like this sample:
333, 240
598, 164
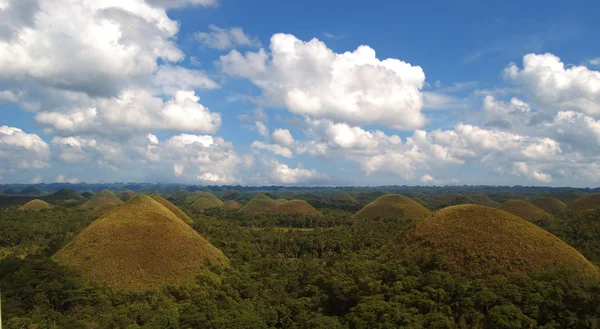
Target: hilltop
524, 209
549, 204
231, 204
140, 245
31, 190
297, 207
481, 199
65, 194
127, 195
100, 198
200, 201
586, 202
180, 214
180, 194
261, 204
392, 206
478, 241
35, 205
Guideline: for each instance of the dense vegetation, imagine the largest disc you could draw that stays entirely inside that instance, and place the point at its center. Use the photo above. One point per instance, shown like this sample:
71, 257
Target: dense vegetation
294, 271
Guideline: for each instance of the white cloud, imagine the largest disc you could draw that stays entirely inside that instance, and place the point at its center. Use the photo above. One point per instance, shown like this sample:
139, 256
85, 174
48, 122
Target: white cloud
222, 39
274, 148
429, 180
36, 180
283, 137
521, 168
135, 109
20, 150
354, 87
552, 87
262, 129
178, 170
280, 173
63, 179
181, 3
172, 79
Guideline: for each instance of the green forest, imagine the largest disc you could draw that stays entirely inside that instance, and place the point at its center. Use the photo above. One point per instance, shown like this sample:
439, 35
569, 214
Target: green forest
334, 269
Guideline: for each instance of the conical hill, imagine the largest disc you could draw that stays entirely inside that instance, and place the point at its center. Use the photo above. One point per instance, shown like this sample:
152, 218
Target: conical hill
479, 241
392, 206
586, 202
524, 209
100, 198
35, 205
172, 208
549, 204
140, 245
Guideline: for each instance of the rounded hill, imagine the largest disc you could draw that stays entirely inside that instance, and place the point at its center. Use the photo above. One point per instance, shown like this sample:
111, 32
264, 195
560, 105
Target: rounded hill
100, 198
140, 245
478, 241
549, 204
201, 200
35, 205
65, 194
297, 207
127, 195
524, 209
261, 204
586, 202
392, 206
231, 204
180, 214
481, 199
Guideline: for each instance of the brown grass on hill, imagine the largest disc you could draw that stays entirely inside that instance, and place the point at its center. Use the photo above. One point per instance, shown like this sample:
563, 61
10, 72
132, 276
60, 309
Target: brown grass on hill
481, 199
180, 214
202, 204
231, 204
346, 197
202, 194
524, 209
140, 245
392, 206
479, 241
445, 198
297, 207
35, 205
100, 198
261, 204
420, 201
127, 195
104, 208
180, 194
549, 205
586, 202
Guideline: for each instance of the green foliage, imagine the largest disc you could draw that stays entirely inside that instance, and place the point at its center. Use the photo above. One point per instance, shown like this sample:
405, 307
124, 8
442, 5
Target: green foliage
289, 273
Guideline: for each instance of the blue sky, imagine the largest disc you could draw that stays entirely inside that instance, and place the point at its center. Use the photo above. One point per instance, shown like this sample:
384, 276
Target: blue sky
472, 93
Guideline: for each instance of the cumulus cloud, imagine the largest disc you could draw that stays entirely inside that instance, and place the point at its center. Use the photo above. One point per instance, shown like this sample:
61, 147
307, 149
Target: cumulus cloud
36, 180
552, 87
262, 129
20, 150
354, 87
280, 173
283, 137
172, 79
63, 179
181, 3
521, 168
222, 39
429, 180
135, 109
274, 148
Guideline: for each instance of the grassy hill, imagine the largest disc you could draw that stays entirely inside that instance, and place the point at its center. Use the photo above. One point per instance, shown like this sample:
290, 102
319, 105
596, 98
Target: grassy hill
586, 202
297, 207
479, 241
346, 197
127, 195
205, 201
172, 208
64, 194
231, 204
35, 205
261, 204
481, 199
202, 194
104, 208
180, 194
140, 245
524, 209
392, 206
87, 194
100, 198
30, 190
549, 205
